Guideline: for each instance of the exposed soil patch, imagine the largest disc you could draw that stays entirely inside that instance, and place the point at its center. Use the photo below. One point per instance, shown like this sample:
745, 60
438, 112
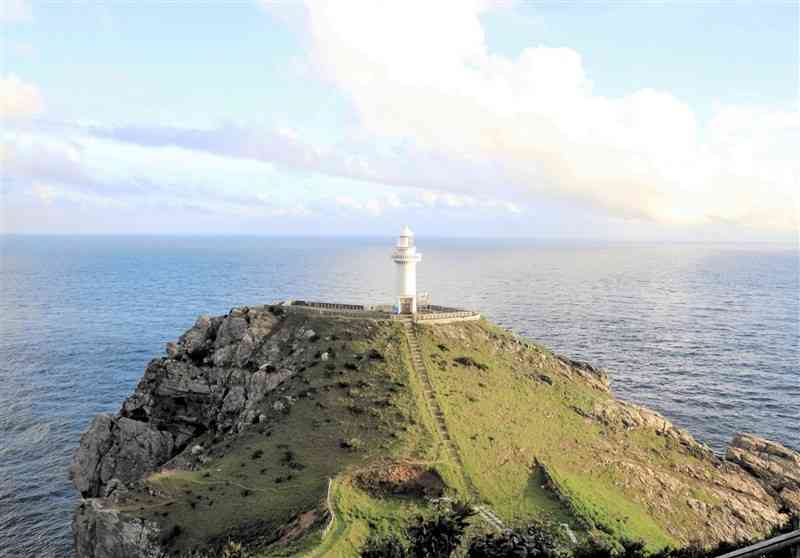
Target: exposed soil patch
401, 479
298, 526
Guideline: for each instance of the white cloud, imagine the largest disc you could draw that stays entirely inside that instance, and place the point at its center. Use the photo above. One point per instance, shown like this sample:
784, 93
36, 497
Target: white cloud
421, 72
411, 201
373, 207
13, 11
75, 171
19, 99
449, 200
48, 194
39, 158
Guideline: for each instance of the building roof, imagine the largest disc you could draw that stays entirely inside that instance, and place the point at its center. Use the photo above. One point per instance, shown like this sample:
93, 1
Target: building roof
406, 231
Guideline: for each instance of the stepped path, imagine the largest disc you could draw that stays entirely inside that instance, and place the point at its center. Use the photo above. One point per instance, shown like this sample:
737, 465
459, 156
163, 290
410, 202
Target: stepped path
418, 363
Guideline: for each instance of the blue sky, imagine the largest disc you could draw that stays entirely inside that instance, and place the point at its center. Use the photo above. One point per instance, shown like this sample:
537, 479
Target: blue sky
615, 120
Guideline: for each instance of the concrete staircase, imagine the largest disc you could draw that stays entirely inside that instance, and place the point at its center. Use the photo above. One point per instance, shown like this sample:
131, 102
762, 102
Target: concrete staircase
418, 363
485, 513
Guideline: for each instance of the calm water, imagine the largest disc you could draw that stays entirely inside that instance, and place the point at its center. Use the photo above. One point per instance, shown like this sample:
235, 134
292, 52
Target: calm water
706, 334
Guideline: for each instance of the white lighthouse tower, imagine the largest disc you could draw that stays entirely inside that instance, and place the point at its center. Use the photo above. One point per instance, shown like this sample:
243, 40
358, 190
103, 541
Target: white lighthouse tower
406, 257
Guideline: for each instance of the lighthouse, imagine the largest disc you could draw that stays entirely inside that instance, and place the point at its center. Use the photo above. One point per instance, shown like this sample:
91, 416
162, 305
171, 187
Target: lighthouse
406, 257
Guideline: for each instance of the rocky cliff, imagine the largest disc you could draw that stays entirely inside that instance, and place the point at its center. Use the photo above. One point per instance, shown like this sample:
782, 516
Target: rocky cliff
234, 433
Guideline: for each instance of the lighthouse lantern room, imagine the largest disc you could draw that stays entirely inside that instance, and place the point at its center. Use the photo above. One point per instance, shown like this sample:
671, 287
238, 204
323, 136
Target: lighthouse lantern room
406, 257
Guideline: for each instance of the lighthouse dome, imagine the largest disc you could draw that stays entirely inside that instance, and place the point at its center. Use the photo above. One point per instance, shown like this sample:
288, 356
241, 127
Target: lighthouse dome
406, 231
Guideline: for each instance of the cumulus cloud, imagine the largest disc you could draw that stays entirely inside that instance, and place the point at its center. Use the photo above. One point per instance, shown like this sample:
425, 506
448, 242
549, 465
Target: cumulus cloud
423, 73
19, 99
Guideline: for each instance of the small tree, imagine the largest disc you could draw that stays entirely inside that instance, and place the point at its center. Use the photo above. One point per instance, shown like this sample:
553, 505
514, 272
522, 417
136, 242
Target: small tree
439, 536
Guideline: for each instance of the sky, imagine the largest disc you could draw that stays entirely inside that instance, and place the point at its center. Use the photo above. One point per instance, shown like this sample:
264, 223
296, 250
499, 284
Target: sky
615, 120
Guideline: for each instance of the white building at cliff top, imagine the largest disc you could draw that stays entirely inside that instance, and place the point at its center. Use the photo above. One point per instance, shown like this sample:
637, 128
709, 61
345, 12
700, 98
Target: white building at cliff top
409, 306
406, 257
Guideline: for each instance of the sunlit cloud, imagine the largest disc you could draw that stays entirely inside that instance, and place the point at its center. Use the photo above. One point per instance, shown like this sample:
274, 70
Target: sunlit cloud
536, 117
19, 99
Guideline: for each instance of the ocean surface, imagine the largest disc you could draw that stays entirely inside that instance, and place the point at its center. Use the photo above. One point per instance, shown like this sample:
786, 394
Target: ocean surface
706, 334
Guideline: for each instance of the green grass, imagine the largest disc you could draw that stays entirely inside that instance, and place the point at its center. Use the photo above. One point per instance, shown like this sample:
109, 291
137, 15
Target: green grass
358, 515
503, 418
260, 479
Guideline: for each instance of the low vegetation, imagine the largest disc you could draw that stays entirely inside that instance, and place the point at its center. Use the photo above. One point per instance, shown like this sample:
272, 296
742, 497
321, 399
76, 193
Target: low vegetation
444, 535
347, 461
337, 416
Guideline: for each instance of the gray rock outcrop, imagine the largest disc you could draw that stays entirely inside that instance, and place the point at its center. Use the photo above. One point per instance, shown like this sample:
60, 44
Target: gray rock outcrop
212, 379
628, 416
118, 448
100, 531
776, 466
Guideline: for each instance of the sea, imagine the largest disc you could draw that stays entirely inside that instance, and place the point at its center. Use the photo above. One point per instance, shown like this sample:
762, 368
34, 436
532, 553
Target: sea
706, 334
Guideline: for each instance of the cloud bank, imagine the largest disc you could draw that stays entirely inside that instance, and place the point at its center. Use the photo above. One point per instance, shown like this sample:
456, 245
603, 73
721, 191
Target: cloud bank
422, 73
443, 126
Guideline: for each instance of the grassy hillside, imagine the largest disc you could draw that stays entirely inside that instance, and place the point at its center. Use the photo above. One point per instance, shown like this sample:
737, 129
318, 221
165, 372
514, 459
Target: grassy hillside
520, 415
513, 416
521, 419
335, 417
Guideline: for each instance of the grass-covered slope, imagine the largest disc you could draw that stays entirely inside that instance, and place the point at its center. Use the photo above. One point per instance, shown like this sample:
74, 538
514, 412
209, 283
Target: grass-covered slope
529, 423
346, 445
270, 482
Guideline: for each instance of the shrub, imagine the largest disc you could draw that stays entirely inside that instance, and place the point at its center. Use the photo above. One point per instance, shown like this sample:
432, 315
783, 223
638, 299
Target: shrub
470, 362
594, 548
353, 444
234, 550
533, 541
373, 354
384, 547
440, 535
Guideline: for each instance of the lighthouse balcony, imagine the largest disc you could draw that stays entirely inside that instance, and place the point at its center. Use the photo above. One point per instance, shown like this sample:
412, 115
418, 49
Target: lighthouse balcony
402, 257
